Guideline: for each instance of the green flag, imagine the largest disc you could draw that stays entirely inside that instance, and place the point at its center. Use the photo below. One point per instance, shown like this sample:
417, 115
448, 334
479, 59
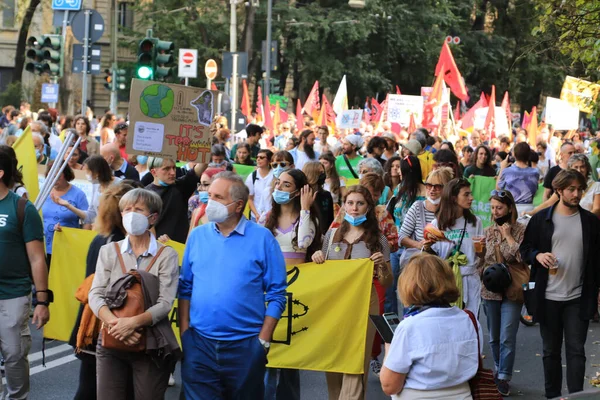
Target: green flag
482, 187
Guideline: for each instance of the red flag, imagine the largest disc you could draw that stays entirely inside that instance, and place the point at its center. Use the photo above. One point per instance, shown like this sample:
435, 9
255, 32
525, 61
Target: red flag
312, 101
376, 110
412, 126
329, 113
299, 116
469, 118
398, 90
446, 66
490, 119
245, 100
431, 107
506, 106
457, 112
260, 108
268, 119
213, 86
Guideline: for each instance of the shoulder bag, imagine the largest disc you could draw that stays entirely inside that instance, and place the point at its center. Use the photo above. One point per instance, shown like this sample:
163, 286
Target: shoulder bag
520, 275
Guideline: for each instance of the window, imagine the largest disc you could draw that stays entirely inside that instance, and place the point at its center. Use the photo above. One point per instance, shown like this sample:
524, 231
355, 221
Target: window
126, 15
8, 13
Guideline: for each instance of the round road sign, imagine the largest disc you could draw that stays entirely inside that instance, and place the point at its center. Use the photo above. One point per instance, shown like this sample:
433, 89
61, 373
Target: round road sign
188, 57
210, 69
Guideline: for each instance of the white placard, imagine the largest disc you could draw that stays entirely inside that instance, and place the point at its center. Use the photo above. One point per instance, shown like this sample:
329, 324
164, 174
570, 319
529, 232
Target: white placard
561, 114
188, 63
500, 117
148, 137
402, 106
350, 119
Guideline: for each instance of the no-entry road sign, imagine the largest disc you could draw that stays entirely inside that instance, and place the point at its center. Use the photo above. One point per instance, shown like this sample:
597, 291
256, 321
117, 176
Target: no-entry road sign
188, 63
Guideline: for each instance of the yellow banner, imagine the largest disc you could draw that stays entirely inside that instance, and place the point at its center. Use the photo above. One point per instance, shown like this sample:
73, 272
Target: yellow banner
581, 94
323, 327
25, 152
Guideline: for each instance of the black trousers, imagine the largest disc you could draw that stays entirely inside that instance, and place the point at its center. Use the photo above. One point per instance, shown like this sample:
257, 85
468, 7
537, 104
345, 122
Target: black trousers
562, 317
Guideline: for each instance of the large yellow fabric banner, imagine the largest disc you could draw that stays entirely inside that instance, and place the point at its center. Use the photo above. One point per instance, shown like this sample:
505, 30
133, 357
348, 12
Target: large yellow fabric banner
323, 327
579, 93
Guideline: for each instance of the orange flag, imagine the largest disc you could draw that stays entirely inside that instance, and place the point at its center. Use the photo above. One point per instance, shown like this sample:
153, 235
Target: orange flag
312, 102
412, 126
398, 90
532, 128
268, 119
260, 108
490, 119
245, 100
506, 106
446, 67
431, 107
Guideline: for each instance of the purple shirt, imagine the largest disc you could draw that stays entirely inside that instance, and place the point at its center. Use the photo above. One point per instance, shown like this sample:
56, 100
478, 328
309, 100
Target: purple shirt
522, 183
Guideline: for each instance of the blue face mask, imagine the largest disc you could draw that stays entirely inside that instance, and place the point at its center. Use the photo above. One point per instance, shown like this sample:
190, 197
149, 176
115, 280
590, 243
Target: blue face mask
163, 184
278, 171
281, 197
355, 221
142, 160
37, 154
203, 197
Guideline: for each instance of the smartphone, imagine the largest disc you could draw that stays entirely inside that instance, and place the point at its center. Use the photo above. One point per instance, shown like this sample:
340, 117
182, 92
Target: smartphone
386, 325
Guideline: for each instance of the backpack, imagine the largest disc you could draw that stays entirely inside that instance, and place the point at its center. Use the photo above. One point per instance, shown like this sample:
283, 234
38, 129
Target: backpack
21, 204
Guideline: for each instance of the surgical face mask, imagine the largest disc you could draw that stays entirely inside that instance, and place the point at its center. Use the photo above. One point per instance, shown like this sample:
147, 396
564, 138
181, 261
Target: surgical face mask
503, 220
360, 176
222, 164
322, 178
278, 171
135, 223
217, 212
203, 197
282, 197
91, 179
163, 184
38, 154
355, 221
434, 202
142, 160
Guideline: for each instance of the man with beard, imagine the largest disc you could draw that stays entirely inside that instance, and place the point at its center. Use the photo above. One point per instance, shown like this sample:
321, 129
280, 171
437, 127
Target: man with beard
560, 244
347, 164
305, 151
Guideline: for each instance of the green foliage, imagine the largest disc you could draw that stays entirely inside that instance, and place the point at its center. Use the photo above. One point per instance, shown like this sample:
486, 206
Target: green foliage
12, 95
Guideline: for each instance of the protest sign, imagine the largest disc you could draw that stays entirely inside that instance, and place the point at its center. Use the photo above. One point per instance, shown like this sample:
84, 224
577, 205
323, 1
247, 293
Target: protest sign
500, 120
170, 121
350, 119
561, 114
402, 106
579, 93
307, 336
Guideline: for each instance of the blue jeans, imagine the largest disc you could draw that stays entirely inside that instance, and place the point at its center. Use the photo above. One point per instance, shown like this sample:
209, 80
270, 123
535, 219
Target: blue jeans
218, 369
503, 324
282, 384
391, 296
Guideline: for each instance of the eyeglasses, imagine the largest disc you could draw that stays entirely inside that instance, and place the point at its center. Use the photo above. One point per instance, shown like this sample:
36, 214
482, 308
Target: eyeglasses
282, 164
499, 193
433, 186
203, 185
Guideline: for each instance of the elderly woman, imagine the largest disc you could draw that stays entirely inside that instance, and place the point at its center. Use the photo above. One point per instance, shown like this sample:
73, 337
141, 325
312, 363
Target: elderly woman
410, 369
371, 164
140, 209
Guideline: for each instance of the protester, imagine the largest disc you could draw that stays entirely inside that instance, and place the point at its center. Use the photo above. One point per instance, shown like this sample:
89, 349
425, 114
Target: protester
121, 139
222, 136
218, 157
22, 249
333, 183
371, 165
40, 149
292, 143
197, 203
88, 144
281, 161
142, 166
284, 136
412, 368
391, 176
54, 210
544, 164
120, 167
107, 134
503, 310
520, 179
315, 177
482, 165
73, 162
157, 266
560, 244
242, 156
566, 151
461, 229
358, 237
17, 186
259, 184
347, 164
376, 148
446, 158
253, 133
226, 331
391, 146
424, 155
305, 151
467, 157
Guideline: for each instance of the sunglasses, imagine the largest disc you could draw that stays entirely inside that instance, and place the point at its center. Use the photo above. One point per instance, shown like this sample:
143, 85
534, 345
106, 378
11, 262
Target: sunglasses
499, 193
282, 164
434, 186
261, 157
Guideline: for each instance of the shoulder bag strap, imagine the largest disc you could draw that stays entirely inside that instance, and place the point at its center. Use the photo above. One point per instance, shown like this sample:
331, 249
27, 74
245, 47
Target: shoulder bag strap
21, 204
498, 254
474, 321
459, 245
160, 250
120, 257
350, 167
330, 242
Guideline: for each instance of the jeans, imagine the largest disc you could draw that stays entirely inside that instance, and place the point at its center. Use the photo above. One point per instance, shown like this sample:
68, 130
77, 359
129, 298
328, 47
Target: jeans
282, 384
503, 324
391, 295
219, 369
15, 342
563, 317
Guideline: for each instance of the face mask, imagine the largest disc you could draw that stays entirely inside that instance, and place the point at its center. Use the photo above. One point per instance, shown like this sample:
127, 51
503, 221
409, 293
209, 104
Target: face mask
321, 180
217, 212
434, 202
91, 179
282, 197
135, 223
278, 171
142, 160
355, 221
203, 197
502, 220
37, 153
163, 184
219, 165
360, 176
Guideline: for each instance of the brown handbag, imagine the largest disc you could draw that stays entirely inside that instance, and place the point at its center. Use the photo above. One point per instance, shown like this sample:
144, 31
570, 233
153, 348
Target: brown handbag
133, 305
519, 273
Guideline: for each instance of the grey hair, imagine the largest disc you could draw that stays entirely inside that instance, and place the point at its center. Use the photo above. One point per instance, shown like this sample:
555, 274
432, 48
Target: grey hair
238, 190
38, 135
580, 157
420, 136
372, 164
145, 196
156, 162
43, 127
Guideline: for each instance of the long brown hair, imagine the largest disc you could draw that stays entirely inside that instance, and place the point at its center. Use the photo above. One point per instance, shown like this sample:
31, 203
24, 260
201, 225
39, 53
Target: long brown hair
448, 212
371, 225
332, 174
505, 197
109, 216
312, 170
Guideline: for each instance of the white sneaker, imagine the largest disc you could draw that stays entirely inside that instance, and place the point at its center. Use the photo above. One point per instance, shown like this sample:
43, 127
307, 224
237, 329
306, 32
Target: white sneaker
375, 367
171, 380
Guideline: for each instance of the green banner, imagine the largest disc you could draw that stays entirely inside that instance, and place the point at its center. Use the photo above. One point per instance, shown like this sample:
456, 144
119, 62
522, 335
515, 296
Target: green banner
243, 170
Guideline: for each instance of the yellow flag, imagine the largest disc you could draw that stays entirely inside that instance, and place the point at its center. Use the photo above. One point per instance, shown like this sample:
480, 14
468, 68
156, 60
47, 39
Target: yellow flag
579, 93
323, 326
27, 163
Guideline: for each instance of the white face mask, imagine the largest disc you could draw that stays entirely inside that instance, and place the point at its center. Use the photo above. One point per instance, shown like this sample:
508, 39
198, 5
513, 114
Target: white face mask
434, 202
91, 179
135, 223
217, 212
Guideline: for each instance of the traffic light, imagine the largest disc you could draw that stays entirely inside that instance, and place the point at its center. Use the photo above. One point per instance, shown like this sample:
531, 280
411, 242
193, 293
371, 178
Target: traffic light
163, 60
108, 79
275, 89
52, 51
120, 79
35, 54
145, 61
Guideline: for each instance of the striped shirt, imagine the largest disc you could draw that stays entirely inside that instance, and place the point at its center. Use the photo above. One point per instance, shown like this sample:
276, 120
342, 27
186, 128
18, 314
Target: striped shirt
413, 225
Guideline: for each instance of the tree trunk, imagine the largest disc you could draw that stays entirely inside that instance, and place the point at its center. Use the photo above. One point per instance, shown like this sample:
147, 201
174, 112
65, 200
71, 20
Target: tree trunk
22, 40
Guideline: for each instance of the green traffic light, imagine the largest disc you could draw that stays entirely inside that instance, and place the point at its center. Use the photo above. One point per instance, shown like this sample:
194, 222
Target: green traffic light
144, 72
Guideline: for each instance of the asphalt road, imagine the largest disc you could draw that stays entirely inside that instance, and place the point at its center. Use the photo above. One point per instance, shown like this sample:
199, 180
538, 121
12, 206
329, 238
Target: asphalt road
58, 380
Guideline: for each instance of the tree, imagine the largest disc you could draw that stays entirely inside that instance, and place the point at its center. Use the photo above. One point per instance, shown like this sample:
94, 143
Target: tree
22, 39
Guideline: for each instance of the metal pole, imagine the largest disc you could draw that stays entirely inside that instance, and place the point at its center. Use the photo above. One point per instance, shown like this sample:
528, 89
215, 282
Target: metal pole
114, 40
86, 45
233, 49
55, 165
208, 83
234, 92
187, 81
268, 46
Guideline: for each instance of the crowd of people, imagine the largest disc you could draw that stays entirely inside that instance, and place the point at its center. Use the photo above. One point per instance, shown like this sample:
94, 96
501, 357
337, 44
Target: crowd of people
401, 199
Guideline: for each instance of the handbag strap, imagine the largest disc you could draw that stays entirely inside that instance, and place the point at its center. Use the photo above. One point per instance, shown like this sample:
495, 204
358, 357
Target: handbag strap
459, 245
498, 254
120, 257
474, 321
160, 250
332, 234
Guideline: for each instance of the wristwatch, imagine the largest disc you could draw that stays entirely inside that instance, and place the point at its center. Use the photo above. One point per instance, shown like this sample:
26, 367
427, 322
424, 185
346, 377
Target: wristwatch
42, 303
50, 296
266, 345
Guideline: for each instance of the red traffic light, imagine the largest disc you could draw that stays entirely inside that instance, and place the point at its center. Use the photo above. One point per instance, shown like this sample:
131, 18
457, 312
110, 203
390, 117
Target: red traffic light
146, 45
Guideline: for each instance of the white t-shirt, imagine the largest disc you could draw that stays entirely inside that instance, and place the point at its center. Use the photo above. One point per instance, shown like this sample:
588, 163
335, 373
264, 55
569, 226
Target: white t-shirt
261, 190
587, 201
336, 197
432, 355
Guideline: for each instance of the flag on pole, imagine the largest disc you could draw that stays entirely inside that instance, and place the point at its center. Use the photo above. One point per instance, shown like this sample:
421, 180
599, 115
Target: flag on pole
431, 108
299, 116
213, 86
367, 112
398, 90
526, 119
340, 101
311, 105
506, 106
468, 119
383, 115
260, 107
490, 119
245, 100
27, 164
376, 110
329, 113
457, 112
446, 67
267, 111
412, 126
532, 128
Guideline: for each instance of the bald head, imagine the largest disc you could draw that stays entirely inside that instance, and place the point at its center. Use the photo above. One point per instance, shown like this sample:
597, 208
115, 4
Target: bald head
110, 152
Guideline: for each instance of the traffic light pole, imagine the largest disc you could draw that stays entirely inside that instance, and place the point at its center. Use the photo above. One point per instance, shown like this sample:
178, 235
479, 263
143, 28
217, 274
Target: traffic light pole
115, 40
268, 55
84, 80
234, 73
113, 90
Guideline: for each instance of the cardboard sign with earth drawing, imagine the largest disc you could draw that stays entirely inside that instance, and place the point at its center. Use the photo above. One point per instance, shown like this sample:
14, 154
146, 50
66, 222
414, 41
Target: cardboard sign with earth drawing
170, 121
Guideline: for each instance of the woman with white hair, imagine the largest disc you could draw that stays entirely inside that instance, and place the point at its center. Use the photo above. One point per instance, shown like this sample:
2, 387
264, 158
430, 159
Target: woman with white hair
368, 165
347, 163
